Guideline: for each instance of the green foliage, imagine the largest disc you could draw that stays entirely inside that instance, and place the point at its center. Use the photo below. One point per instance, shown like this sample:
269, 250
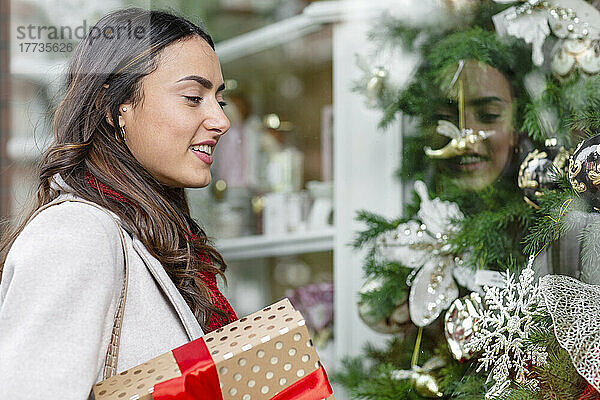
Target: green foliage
558, 378
370, 377
392, 293
555, 218
373, 383
499, 229
590, 251
520, 392
491, 237
565, 109
424, 95
495, 219
584, 121
415, 165
376, 225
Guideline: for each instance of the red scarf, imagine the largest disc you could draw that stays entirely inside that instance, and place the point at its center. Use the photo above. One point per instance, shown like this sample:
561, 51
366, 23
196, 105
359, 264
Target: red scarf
209, 278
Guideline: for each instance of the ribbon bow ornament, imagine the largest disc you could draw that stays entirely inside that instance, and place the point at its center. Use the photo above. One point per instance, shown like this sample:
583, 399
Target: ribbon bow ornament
575, 310
422, 245
461, 140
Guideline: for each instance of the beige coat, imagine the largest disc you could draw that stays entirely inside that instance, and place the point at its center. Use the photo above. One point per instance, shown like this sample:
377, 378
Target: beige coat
58, 296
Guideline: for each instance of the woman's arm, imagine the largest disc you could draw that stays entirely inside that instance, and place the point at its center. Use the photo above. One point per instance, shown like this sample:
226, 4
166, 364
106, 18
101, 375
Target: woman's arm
58, 296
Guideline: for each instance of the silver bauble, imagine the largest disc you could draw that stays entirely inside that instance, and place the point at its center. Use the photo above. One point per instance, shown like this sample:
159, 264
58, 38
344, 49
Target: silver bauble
460, 324
396, 322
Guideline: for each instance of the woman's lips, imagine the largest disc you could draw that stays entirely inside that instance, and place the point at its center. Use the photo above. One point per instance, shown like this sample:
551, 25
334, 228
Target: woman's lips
203, 156
475, 166
468, 162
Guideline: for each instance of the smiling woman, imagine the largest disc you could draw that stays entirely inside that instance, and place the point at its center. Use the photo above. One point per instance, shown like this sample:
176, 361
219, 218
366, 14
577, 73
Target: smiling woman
173, 131
487, 106
139, 122
468, 96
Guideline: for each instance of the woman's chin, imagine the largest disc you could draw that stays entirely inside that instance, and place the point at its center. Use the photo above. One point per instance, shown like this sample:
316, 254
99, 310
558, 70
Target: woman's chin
192, 182
476, 178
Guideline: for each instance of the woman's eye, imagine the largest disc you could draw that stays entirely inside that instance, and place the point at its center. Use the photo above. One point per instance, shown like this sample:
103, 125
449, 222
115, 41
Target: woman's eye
194, 99
445, 117
487, 117
222, 103
445, 114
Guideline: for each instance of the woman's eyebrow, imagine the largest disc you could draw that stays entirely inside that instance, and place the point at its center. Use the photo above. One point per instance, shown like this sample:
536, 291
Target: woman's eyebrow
200, 79
485, 100
203, 81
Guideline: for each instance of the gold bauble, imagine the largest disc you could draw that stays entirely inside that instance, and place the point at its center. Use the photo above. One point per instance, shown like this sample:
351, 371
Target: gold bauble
426, 385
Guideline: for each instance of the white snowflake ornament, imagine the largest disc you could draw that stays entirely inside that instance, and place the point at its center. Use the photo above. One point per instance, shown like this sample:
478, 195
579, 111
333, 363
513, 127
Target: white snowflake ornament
504, 327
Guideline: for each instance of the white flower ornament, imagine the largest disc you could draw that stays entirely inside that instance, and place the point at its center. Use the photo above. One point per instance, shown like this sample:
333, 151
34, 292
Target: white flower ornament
422, 245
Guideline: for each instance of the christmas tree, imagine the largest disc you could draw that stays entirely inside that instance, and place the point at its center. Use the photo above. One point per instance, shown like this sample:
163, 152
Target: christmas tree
470, 280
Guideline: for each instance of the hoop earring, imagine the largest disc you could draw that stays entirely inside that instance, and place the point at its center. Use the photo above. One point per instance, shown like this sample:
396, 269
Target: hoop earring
117, 137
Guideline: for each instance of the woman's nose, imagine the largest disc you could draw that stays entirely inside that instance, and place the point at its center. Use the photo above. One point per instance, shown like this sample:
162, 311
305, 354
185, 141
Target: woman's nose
217, 121
471, 121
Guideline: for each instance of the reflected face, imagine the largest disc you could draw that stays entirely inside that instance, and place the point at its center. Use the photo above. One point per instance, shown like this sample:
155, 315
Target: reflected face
173, 131
488, 106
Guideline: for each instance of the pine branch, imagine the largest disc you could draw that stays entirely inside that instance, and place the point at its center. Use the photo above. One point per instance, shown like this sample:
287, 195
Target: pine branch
392, 293
590, 251
587, 120
376, 225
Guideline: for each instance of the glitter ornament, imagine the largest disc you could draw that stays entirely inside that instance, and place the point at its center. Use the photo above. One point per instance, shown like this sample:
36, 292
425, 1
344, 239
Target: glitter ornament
537, 171
461, 323
423, 246
584, 170
505, 324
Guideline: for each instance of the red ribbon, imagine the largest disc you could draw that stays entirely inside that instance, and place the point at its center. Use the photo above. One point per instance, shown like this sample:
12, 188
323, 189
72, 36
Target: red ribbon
313, 386
199, 379
197, 371
589, 394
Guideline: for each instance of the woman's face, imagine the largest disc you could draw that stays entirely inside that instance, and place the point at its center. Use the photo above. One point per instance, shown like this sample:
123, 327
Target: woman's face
173, 131
488, 106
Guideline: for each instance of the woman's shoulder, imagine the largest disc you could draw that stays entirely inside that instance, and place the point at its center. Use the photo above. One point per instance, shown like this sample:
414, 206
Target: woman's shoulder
72, 216
69, 232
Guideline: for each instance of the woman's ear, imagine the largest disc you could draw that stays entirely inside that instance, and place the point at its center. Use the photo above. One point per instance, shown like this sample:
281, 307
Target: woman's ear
122, 108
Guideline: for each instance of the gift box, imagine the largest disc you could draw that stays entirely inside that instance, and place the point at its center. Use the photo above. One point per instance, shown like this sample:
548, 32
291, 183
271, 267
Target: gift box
266, 355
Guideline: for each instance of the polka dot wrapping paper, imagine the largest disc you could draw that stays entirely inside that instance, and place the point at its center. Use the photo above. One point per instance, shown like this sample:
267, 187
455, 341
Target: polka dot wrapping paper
266, 355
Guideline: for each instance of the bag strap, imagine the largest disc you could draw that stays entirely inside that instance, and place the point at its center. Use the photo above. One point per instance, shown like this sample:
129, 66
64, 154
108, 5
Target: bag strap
110, 363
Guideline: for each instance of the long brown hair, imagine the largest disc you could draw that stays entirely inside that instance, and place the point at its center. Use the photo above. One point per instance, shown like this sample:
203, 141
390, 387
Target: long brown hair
105, 71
